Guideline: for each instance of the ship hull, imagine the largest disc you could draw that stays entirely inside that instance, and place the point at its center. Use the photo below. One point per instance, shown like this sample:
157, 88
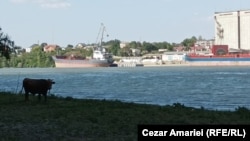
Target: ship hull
86, 63
217, 61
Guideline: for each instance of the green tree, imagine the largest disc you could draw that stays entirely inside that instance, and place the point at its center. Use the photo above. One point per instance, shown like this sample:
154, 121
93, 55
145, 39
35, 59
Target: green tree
70, 46
36, 58
148, 47
6, 45
164, 45
43, 45
189, 42
114, 47
126, 52
135, 45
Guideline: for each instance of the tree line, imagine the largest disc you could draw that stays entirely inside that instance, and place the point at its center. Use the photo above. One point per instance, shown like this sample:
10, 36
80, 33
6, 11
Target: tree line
147, 47
10, 57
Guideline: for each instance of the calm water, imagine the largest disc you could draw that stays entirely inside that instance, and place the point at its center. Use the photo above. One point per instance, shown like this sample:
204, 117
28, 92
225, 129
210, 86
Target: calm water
219, 88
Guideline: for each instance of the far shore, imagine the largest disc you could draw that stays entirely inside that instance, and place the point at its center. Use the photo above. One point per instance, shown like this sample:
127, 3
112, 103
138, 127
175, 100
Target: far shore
166, 65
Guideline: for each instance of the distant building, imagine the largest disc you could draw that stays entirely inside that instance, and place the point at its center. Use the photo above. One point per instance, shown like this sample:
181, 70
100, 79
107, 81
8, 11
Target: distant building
50, 48
136, 52
162, 50
179, 48
80, 45
28, 49
204, 44
123, 44
173, 57
233, 29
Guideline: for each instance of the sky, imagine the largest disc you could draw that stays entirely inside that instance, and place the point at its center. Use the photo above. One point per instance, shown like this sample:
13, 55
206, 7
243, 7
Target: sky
65, 22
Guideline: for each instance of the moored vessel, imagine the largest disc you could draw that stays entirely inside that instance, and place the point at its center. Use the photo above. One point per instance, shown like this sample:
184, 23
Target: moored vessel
100, 58
220, 56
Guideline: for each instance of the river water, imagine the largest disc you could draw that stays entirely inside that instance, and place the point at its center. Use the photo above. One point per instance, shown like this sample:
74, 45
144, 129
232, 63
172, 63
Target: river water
215, 88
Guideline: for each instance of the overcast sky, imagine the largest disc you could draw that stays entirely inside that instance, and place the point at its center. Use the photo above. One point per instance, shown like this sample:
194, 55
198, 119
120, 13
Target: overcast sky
66, 22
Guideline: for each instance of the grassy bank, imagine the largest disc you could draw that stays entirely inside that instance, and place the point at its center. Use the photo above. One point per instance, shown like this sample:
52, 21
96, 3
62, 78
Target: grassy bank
93, 120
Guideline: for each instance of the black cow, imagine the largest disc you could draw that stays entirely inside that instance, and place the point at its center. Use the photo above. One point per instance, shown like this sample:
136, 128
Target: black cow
37, 86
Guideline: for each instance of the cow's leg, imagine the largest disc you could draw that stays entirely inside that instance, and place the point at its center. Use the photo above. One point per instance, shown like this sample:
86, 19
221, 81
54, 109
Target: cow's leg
45, 97
39, 97
26, 96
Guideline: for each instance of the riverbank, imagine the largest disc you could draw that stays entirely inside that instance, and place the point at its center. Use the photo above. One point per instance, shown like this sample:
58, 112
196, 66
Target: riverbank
94, 120
167, 65
201, 64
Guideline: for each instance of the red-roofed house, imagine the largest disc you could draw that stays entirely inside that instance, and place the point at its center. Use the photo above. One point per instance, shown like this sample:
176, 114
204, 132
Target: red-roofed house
50, 48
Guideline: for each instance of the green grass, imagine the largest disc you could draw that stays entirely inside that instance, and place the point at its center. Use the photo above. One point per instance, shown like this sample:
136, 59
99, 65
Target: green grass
94, 120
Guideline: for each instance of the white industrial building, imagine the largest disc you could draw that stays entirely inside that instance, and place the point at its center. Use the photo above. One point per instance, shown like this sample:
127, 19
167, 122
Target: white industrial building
233, 29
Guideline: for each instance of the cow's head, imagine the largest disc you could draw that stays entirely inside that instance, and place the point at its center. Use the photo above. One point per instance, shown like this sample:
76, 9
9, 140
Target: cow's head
50, 82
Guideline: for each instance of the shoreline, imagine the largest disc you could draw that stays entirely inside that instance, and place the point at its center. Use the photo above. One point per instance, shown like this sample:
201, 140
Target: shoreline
199, 64
166, 65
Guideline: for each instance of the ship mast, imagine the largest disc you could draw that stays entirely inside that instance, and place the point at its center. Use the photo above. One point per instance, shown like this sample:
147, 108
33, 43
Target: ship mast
103, 28
101, 31
99, 50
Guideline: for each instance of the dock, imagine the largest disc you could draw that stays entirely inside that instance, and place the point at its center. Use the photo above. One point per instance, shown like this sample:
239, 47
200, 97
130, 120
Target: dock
129, 64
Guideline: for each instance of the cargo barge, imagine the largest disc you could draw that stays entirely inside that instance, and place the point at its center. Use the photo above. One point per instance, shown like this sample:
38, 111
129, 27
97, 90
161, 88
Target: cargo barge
220, 56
